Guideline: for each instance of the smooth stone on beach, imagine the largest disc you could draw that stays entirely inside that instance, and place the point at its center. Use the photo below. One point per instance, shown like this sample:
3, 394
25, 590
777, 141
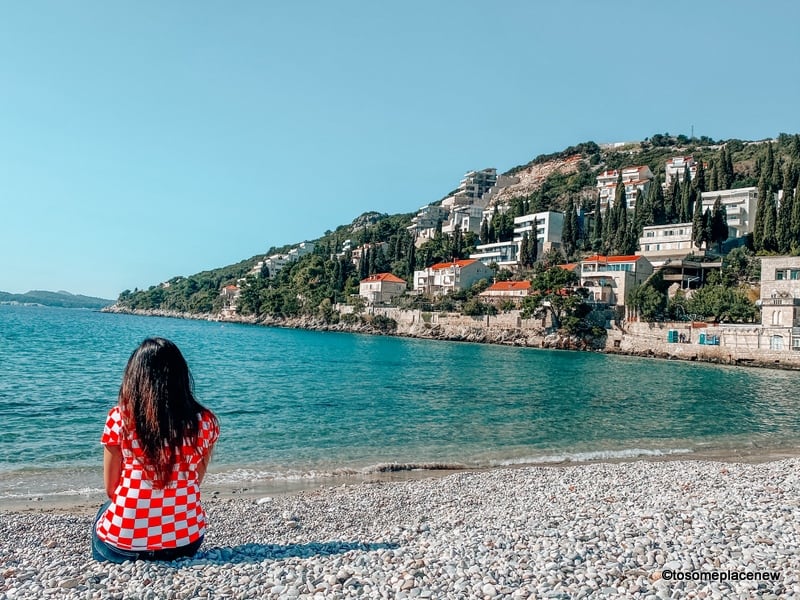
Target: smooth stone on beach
521, 533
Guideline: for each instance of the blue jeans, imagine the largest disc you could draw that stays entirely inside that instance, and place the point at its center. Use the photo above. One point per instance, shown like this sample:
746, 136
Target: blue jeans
103, 551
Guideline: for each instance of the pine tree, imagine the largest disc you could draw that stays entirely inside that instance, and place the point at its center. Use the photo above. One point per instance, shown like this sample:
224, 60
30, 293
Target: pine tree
719, 224
698, 224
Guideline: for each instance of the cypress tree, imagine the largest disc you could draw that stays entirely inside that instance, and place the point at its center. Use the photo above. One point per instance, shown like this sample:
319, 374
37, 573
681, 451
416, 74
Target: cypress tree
411, 257
761, 212
568, 234
712, 178
795, 226
769, 241
657, 209
768, 167
698, 224
777, 175
783, 231
485, 231
673, 203
524, 252
707, 221
727, 168
597, 234
700, 178
719, 224
687, 198
533, 247
620, 234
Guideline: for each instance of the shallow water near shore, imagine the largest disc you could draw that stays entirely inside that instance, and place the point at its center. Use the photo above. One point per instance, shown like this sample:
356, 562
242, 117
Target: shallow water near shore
298, 408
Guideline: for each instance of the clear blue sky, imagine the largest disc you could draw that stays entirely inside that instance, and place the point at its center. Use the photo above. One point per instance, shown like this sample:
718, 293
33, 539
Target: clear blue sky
143, 140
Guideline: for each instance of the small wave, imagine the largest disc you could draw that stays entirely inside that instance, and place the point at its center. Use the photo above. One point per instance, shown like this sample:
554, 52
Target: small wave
595, 455
254, 475
85, 492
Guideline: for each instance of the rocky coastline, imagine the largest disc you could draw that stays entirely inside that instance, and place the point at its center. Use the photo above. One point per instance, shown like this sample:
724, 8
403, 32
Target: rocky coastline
474, 332
639, 340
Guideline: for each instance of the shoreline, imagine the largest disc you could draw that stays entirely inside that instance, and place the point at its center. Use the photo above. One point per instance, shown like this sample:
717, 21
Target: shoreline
391, 473
603, 529
473, 330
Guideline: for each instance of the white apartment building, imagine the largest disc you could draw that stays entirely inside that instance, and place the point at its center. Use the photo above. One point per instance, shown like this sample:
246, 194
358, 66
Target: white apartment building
780, 301
660, 243
675, 168
610, 278
636, 178
740, 208
547, 226
423, 225
503, 254
445, 277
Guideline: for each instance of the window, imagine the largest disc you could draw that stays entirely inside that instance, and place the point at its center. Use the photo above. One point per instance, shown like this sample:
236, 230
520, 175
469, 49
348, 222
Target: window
796, 343
779, 275
776, 342
794, 274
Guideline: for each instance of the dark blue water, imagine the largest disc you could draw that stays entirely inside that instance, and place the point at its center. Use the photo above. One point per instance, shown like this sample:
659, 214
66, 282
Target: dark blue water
295, 404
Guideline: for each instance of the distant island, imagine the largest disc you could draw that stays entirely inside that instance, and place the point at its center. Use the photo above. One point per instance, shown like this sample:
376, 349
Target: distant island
57, 299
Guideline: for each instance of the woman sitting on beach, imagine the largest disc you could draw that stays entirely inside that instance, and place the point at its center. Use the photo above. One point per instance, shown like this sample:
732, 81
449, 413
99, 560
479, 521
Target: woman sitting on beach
158, 441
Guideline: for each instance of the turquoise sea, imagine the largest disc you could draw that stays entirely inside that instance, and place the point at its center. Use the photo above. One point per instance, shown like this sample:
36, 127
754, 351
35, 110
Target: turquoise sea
307, 406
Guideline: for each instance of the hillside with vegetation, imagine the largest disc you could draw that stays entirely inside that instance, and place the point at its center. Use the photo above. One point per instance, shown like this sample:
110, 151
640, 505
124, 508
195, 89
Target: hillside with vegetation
55, 299
563, 181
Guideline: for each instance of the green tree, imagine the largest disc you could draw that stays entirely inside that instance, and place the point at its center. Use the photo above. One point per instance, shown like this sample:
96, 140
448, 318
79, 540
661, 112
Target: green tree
569, 233
554, 292
698, 224
649, 303
719, 224
761, 213
699, 182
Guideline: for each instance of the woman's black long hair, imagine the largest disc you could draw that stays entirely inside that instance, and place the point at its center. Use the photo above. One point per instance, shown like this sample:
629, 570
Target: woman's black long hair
157, 399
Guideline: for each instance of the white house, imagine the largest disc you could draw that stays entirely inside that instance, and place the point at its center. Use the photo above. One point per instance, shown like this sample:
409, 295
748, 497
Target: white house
445, 277
740, 208
381, 288
675, 168
503, 254
636, 178
660, 243
780, 301
505, 290
610, 278
547, 226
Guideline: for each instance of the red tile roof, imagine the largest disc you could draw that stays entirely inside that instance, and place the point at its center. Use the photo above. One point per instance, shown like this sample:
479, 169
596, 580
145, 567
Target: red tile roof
509, 286
569, 266
383, 277
457, 263
230, 287
608, 259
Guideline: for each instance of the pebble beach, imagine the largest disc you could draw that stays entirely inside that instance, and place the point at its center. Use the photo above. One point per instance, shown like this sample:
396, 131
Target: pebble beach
672, 529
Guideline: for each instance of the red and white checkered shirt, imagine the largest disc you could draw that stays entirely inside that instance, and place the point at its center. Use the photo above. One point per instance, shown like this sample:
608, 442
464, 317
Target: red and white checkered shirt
142, 517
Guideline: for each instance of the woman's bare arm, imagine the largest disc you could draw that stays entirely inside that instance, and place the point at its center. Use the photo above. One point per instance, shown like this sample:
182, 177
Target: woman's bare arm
112, 468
